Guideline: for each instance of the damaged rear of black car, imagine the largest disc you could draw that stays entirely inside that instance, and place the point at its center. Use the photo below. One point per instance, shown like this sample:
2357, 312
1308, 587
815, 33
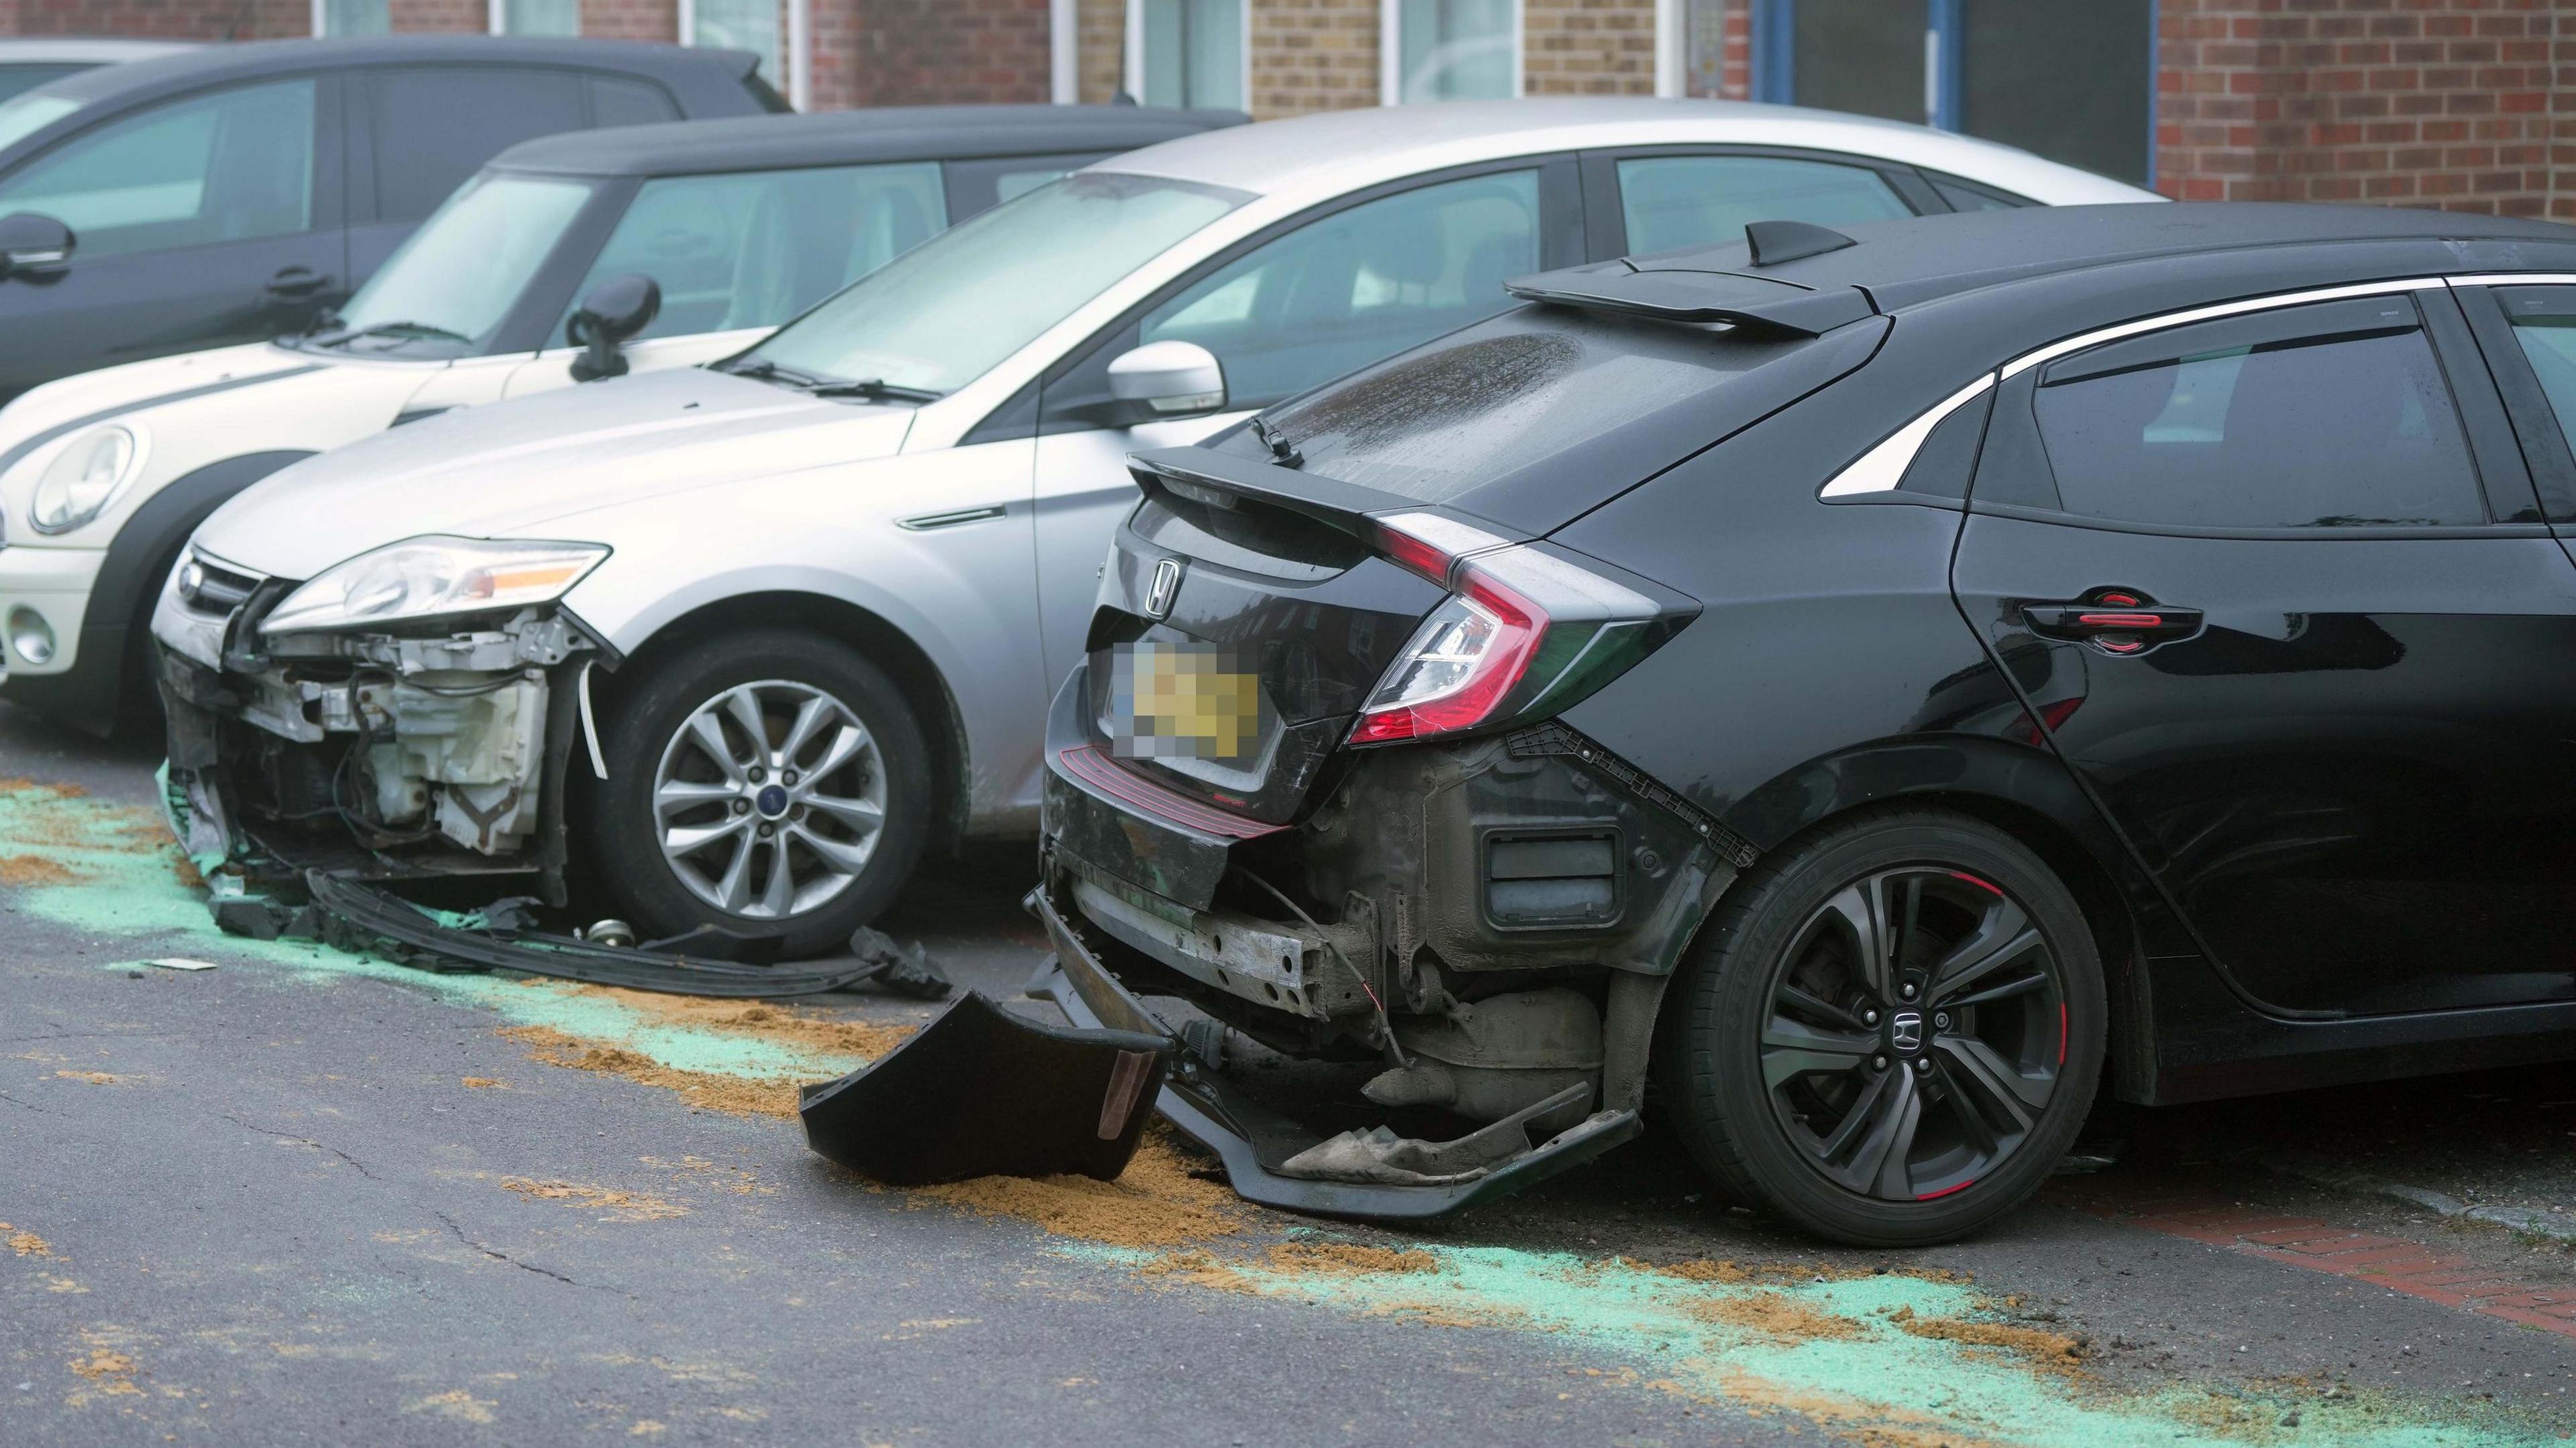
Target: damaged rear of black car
1791, 679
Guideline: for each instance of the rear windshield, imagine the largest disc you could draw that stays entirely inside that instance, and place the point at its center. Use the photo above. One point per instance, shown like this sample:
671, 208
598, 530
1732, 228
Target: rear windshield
1499, 396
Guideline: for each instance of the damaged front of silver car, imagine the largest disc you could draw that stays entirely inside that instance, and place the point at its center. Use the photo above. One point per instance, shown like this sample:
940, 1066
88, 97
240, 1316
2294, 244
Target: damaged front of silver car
410, 713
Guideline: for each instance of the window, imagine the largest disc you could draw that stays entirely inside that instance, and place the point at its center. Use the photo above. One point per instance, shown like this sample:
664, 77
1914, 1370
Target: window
232, 166
435, 126
1186, 52
536, 17
739, 25
2544, 322
1673, 201
15, 79
1452, 50
26, 115
353, 17
754, 250
2325, 416
467, 266
1345, 290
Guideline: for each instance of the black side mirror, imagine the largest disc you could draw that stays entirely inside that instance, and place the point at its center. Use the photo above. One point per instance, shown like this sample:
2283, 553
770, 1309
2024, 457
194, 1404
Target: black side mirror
614, 311
33, 245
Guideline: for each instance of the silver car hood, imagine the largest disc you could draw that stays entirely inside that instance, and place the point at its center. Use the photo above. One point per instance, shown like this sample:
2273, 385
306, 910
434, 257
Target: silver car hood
505, 469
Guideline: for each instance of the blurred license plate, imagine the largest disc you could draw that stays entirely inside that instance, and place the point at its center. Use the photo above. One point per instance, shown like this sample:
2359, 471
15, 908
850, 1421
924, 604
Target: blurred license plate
1182, 701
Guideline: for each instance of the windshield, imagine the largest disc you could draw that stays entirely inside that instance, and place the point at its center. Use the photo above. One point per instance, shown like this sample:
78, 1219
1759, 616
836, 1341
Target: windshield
941, 314
452, 284
23, 116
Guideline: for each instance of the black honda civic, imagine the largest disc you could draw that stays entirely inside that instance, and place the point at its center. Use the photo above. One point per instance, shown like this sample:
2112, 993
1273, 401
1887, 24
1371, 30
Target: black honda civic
1863, 695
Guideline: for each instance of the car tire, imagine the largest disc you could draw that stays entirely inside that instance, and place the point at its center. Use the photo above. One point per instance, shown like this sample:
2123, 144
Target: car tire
663, 830
1788, 1068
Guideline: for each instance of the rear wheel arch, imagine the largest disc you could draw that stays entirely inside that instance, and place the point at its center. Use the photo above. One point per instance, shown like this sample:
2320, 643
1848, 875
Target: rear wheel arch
925, 690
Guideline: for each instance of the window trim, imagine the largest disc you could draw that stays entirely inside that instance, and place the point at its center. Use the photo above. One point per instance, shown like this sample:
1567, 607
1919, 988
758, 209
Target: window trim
1131, 57
1390, 51
795, 44
1874, 476
497, 16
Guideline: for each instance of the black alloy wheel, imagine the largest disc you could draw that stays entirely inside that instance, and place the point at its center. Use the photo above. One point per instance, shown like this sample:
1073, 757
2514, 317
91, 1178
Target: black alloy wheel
1891, 1031
1917, 1029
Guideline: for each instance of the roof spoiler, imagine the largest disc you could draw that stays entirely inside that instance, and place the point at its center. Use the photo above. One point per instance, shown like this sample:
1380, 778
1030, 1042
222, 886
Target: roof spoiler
1756, 304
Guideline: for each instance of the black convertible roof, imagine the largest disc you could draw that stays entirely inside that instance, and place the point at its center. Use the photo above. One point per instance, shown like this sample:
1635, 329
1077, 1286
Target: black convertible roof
893, 133
1901, 263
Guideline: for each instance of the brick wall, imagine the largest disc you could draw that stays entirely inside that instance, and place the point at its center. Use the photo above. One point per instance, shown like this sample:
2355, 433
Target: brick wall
929, 52
158, 19
633, 19
1100, 49
1588, 47
1313, 55
2444, 103
411, 17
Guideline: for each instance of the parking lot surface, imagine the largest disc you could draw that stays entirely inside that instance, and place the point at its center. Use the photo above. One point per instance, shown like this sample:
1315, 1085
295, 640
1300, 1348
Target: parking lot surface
308, 1195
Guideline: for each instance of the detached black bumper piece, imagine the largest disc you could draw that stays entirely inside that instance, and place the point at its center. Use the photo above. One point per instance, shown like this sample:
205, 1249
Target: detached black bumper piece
1253, 1142
360, 915
983, 1092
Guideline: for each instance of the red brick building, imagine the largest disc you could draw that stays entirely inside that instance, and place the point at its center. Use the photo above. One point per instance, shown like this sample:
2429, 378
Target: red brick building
2451, 103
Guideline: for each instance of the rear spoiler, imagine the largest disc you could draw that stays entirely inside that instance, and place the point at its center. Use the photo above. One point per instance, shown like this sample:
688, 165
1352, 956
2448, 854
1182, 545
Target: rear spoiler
1217, 479
1754, 303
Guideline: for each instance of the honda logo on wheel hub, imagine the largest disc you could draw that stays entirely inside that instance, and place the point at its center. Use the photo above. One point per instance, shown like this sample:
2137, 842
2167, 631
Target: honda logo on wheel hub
1905, 1031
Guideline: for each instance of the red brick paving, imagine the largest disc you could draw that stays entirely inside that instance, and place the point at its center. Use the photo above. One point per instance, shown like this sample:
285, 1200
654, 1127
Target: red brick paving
2417, 1269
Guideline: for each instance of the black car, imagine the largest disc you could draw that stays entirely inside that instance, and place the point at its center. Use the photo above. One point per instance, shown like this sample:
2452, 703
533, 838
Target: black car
235, 192
1872, 690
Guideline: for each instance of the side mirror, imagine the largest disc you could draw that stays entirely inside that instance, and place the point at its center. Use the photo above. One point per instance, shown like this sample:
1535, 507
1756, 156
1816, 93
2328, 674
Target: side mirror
1169, 379
613, 312
33, 244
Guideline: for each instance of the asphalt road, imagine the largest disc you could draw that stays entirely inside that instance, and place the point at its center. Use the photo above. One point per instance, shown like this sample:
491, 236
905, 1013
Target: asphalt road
310, 1197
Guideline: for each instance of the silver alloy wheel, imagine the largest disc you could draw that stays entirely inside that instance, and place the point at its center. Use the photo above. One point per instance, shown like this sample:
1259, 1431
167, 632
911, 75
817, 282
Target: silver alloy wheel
769, 799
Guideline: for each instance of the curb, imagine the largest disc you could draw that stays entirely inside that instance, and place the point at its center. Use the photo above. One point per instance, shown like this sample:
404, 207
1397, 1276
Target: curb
2557, 1227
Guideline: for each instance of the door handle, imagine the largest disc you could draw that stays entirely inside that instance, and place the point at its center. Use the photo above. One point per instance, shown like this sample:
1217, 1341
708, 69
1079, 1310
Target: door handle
2115, 620
296, 281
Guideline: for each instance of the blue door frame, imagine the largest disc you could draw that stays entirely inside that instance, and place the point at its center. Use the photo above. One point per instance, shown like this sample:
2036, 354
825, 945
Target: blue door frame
1775, 62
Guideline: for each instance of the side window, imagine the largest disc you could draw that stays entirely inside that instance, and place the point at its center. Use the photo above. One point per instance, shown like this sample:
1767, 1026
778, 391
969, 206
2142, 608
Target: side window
754, 250
16, 78
1963, 196
1359, 285
436, 125
2324, 416
629, 103
231, 166
2544, 323
1674, 201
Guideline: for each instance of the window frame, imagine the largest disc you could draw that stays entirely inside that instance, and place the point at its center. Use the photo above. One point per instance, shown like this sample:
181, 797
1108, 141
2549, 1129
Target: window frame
2504, 487
1390, 51
1131, 57
2546, 447
497, 16
329, 211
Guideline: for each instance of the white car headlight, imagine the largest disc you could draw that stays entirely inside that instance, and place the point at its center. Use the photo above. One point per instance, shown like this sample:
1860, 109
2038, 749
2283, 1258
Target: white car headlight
86, 476
422, 578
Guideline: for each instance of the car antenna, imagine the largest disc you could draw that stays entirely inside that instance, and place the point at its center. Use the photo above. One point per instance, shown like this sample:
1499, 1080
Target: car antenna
1773, 242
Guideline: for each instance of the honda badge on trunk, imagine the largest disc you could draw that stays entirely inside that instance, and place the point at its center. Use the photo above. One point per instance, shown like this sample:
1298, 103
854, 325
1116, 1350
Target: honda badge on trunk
1165, 587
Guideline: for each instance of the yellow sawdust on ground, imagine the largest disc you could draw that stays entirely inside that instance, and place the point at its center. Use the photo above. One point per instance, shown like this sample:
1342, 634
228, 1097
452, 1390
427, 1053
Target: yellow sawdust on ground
733, 1095
95, 1078
24, 870
21, 784
111, 1371
1155, 1203
1730, 1272
1346, 1259
458, 1404
2048, 1349
1869, 1425
28, 1244
723, 1178
806, 1030
620, 1206
187, 871
485, 1083
1776, 1316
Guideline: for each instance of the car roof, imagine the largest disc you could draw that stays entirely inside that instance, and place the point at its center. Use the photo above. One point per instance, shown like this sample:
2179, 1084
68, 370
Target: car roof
251, 58
1921, 258
1336, 151
104, 49
893, 133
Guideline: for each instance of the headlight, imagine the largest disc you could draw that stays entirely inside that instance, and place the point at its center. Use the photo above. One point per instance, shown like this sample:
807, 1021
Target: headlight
431, 577
85, 477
